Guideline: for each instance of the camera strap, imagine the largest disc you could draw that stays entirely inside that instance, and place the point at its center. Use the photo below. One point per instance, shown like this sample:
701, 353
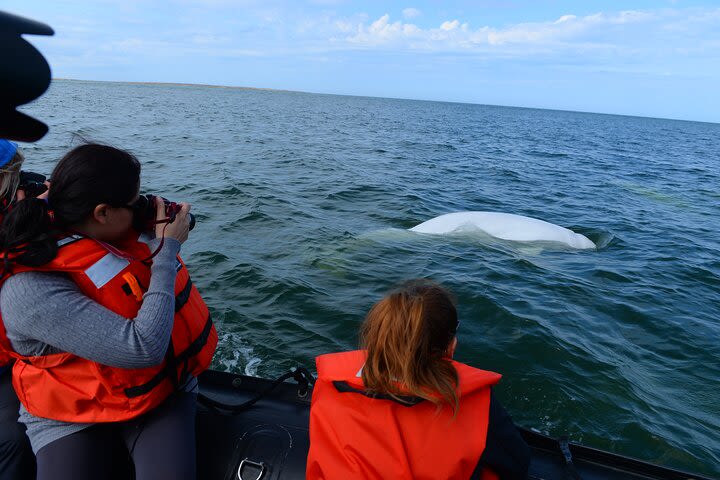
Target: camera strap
162, 240
120, 253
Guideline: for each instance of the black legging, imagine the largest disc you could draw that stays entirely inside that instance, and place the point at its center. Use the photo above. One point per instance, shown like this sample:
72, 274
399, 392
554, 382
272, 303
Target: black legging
16, 457
161, 444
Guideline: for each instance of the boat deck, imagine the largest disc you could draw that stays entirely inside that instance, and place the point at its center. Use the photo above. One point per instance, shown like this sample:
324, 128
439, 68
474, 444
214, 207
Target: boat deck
274, 433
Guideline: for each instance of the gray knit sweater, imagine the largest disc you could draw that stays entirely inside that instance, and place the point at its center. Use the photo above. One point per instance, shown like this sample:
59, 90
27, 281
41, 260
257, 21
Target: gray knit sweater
46, 313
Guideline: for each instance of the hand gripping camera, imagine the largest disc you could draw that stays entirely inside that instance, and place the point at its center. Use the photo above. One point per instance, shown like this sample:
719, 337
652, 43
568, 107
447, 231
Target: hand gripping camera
33, 184
144, 213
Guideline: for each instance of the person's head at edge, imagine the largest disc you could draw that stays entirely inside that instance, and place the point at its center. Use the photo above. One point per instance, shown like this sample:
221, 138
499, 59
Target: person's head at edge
11, 160
410, 339
92, 193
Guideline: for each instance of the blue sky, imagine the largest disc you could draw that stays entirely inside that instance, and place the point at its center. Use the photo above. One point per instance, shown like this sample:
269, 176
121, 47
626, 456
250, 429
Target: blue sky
650, 58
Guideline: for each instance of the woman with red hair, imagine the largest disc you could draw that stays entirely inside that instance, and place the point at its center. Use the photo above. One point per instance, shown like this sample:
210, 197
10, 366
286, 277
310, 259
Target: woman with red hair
401, 408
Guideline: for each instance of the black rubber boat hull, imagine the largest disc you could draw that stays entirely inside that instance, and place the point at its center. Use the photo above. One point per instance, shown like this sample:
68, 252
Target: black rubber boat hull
270, 440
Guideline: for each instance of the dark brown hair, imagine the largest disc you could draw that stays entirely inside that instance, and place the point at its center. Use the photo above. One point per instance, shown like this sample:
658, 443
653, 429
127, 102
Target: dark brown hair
407, 335
85, 177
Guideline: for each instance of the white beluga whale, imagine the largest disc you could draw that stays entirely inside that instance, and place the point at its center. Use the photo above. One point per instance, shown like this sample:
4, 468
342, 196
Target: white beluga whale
505, 226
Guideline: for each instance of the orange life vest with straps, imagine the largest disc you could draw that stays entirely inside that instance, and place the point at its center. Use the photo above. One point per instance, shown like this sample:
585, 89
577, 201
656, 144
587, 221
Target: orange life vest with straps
354, 435
66, 387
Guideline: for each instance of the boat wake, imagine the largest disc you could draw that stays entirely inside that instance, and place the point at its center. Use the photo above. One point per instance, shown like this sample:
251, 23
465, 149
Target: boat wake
235, 356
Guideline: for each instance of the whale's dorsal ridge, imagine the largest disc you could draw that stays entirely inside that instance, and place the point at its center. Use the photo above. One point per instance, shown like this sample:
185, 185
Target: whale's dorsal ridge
506, 226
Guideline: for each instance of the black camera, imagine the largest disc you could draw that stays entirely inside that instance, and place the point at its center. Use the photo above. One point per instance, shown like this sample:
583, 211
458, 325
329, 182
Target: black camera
33, 184
144, 213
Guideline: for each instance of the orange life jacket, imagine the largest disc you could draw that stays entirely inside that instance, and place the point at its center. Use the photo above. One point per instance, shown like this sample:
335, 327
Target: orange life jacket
66, 387
356, 436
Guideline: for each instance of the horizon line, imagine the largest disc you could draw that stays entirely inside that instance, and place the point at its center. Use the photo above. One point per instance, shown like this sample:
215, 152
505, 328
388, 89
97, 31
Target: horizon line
237, 87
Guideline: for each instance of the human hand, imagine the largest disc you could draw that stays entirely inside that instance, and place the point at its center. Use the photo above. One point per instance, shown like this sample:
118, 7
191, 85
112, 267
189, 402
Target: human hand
44, 195
179, 228
20, 194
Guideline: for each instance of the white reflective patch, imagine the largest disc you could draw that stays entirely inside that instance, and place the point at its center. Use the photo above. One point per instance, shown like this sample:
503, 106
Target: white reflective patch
359, 373
64, 241
106, 269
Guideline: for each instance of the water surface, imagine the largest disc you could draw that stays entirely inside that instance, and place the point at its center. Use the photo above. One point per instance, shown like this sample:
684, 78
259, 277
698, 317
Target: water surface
302, 201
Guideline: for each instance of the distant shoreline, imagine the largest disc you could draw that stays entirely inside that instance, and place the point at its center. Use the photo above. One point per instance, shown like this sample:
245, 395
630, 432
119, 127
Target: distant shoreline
260, 89
176, 84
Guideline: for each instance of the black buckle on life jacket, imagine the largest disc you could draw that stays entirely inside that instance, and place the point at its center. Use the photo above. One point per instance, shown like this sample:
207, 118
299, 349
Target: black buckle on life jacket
133, 287
171, 363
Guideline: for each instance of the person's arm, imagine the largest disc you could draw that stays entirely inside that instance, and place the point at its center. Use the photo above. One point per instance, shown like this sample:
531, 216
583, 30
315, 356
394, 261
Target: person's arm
506, 453
49, 308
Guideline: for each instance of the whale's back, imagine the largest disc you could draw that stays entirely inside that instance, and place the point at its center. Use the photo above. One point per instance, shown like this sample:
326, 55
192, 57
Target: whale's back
506, 226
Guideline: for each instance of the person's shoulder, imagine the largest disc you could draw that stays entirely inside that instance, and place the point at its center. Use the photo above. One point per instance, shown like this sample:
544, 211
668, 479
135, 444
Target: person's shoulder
33, 283
24, 297
34, 275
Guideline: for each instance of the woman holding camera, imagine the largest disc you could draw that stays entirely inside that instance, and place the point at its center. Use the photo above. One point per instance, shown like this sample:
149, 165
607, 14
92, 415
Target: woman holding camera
402, 408
16, 459
107, 328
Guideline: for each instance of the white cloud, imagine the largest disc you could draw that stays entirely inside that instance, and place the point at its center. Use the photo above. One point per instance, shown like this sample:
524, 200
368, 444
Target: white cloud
447, 26
632, 30
626, 38
344, 26
565, 18
676, 42
411, 12
630, 16
382, 31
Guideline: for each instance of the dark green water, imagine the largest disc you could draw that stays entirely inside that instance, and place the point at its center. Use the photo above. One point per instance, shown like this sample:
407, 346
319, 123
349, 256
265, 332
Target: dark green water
303, 200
